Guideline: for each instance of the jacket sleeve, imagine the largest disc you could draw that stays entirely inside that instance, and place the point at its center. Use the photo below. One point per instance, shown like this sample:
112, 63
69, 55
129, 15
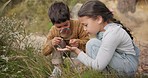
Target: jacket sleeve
83, 36
48, 47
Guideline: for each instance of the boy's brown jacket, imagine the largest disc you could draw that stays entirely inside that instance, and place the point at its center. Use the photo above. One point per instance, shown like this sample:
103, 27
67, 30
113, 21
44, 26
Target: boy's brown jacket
78, 32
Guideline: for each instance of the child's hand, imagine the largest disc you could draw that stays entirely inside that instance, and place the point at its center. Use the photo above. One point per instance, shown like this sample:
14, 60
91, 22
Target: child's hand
74, 42
56, 40
68, 48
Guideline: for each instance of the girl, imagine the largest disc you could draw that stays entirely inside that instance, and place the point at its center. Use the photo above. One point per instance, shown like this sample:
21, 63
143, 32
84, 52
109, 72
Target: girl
116, 48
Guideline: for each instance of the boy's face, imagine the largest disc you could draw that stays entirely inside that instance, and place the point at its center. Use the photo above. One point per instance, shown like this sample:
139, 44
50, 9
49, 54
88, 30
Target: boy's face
63, 25
64, 29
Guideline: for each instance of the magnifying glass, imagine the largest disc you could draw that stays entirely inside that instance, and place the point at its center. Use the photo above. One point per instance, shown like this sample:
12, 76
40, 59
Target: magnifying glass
65, 32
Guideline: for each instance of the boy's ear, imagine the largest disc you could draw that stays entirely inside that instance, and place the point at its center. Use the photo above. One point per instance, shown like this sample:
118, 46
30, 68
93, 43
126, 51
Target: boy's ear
99, 19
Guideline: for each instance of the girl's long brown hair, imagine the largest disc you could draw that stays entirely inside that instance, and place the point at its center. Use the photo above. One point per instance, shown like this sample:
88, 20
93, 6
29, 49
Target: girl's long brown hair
96, 8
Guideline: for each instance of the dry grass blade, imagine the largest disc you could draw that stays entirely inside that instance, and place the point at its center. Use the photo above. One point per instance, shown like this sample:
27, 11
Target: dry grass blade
3, 7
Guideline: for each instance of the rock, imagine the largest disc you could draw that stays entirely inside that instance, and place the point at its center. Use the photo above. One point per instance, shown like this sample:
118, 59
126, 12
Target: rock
75, 10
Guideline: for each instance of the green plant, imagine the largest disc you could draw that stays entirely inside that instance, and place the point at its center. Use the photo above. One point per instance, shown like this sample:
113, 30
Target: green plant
10, 30
16, 62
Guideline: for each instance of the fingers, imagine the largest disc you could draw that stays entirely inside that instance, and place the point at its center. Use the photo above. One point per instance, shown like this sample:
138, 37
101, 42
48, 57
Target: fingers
68, 48
56, 40
63, 49
74, 42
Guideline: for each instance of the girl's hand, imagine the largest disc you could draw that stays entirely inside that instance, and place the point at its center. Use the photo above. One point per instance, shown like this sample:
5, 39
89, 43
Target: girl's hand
68, 48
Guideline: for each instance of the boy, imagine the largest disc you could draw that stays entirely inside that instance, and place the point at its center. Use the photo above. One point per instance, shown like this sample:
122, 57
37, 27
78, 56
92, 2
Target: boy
63, 32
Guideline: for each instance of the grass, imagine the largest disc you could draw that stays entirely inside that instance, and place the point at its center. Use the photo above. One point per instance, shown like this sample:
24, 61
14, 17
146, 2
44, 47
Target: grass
16, 62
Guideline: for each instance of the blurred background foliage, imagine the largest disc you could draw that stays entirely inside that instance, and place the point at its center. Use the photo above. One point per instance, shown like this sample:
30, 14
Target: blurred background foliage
34, 13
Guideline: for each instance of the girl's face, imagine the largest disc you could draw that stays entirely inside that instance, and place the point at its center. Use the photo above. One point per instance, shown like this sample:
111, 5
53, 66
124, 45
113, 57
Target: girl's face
92, 26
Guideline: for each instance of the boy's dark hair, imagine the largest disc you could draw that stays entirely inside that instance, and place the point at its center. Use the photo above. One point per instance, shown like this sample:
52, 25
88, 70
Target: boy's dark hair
59, 12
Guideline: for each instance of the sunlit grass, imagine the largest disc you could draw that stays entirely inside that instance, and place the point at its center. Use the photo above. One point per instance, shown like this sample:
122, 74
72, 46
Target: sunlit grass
15, 61
27, 62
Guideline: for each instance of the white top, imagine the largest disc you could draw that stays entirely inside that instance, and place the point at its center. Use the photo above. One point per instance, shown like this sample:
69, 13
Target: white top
115, 37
